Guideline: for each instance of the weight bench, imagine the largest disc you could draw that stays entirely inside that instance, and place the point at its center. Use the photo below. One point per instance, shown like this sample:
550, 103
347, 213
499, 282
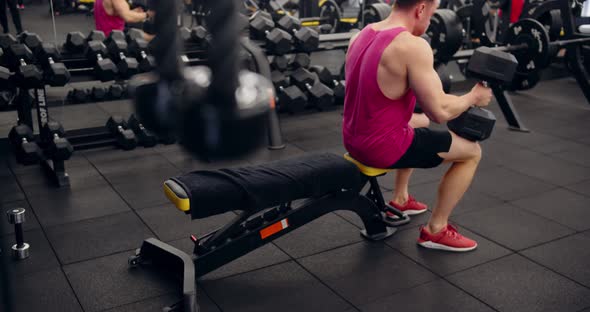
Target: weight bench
263, 195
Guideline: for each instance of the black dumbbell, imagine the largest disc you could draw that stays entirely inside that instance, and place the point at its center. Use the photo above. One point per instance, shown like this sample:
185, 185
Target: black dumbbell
78, 95
56, 74
300, 60
75, 42
6, 40
145, 137
304, 38
117, 48
27, 75
185, 34
6, 79
279, 62
277, 40
98, 93
104, 68
95, 35
58, 147
31, 40
116, 92
200, 37
138, 48
319, 95
289, 98
27, 151
326, 77
16, 216
133, 34
118, 128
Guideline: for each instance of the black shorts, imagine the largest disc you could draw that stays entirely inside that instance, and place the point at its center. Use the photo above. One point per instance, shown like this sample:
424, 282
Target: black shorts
423, 152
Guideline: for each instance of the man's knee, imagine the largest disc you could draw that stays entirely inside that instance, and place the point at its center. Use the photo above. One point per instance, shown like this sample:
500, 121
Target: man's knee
477, 152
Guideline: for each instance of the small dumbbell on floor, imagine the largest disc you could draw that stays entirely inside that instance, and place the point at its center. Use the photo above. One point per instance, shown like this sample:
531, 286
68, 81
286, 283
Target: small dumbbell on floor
319, 95
20, 250
125, 138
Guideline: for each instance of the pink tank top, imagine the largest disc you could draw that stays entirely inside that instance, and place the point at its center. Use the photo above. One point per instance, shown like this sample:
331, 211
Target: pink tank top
105, 22
375, 128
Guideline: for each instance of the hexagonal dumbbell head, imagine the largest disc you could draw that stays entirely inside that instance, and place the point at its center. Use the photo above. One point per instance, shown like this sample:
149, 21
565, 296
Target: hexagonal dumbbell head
185, 34
31, 40
259, 26
279, 41
279, 62
98, 93
301, 60
20, 132
51, 128
199, 36
321, 96
75, 42
289, 23
279, 79
134, 33
6, 40
17, 52
96, 35
339, 92
292, 100
302, 78
323, 74
307, 39
5, 77
116, 43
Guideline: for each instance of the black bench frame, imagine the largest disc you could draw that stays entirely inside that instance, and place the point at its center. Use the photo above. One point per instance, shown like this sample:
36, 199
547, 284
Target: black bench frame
245, 234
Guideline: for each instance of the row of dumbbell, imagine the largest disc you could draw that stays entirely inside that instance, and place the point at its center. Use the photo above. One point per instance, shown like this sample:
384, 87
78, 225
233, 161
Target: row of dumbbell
118, 55
52, 143
283, 35
21, 54
131, 133
97, 94
20, 57
303, 88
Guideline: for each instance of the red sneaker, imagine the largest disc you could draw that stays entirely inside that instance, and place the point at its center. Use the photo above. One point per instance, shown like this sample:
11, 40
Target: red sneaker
412, 207
447, 239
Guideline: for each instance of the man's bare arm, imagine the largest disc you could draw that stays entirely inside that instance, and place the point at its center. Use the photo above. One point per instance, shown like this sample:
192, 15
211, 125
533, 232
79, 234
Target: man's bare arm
121, 8
423, 79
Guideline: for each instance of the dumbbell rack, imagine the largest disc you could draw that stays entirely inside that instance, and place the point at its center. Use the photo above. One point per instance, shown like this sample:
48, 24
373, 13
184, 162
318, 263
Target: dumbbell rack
54, 169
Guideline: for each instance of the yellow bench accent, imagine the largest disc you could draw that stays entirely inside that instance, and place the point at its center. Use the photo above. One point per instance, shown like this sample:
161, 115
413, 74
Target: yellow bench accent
86, 1
310, 23
182, 204
366, 170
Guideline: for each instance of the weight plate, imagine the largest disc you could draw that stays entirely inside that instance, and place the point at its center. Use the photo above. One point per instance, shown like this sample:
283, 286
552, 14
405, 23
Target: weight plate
523, 82
535, 36
375, 12
446, 34
483, 24
330, 13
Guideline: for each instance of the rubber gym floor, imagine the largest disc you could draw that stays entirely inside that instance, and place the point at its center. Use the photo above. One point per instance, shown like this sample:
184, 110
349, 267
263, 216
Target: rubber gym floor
528, 208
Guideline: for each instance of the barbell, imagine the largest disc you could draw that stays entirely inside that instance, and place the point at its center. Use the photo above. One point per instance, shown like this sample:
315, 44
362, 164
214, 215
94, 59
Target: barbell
528, 40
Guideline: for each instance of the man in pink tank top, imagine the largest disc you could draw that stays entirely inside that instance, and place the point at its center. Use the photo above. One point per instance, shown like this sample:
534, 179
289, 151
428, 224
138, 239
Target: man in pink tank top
112, 15
388, 67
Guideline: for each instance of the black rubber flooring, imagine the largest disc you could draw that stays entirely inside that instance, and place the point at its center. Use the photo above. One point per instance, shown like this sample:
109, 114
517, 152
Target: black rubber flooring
528, 208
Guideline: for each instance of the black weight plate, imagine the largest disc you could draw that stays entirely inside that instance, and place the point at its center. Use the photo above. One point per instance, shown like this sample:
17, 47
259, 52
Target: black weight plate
481, 21
532, 33
330, 13
446, 34
524, 82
